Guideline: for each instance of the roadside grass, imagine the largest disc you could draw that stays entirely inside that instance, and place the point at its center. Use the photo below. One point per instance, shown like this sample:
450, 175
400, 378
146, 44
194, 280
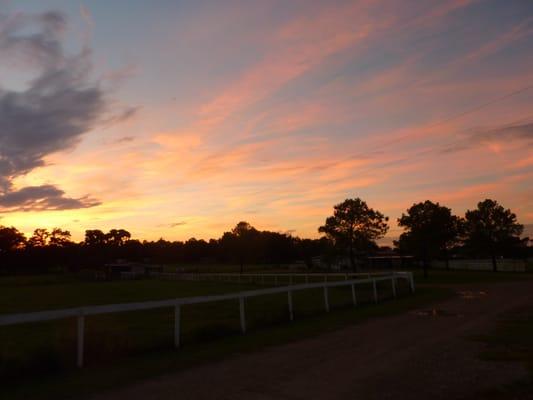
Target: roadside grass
511, 341
268, 325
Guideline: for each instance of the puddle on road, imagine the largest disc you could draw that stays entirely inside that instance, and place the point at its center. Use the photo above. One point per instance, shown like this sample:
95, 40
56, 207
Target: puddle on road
435, 313
471, 295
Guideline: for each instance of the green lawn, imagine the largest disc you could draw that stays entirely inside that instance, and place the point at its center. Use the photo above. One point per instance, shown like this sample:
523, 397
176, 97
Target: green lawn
45, 347
26, 294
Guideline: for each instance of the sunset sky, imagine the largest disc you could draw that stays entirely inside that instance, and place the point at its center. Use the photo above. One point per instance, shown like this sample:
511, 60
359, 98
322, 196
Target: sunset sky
178, 119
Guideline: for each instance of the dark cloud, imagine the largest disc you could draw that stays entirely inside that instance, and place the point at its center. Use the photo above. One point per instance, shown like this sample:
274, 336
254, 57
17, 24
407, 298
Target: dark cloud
125, 139
173, 224
41, 198
58, 106
124, 115
515, 132
42, 49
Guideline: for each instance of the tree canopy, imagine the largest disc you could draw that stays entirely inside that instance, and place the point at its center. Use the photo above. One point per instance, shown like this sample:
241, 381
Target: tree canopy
430, 231
492, 230
10, 239
355, 226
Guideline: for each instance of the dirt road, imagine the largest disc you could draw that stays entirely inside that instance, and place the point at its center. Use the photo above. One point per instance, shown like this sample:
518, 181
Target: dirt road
411, 356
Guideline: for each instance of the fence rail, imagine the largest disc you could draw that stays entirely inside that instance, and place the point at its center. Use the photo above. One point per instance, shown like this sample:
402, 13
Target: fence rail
81, 312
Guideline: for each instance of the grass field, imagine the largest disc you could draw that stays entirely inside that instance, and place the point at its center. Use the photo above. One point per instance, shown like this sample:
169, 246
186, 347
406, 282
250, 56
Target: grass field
46, 347
122, 346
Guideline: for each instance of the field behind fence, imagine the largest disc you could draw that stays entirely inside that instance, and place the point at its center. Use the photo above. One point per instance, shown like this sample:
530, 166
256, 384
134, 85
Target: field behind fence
92, 334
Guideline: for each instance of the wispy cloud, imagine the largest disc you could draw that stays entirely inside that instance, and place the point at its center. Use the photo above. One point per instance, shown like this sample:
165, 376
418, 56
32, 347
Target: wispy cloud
279, 110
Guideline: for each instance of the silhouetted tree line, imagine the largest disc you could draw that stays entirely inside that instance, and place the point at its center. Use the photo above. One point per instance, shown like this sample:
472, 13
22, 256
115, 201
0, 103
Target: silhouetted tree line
430, 231
54, 250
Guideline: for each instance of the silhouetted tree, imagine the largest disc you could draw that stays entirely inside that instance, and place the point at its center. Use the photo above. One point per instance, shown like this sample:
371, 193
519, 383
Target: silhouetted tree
117, 237
355, 226
430, 231
94, 237
10, 239
307, 250
60, 238
240, 242
493, 230
39, 238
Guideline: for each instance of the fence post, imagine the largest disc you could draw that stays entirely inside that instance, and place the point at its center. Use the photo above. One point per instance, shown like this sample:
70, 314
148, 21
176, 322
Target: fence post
289, 298
243, 315
411, 282
375, 290
326, 298
275, 280
290, 279
353, 295
177, 325
81, 334
393, 280
306, 278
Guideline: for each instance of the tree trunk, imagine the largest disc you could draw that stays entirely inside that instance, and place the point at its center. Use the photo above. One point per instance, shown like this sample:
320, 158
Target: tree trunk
352, 261
447, 260
426, 262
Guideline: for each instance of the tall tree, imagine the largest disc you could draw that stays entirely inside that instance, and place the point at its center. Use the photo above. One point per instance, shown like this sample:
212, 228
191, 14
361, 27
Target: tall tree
117, 237
241, 242
430, 231
39, 238
355, 226
10, 239
493, 230
60, 237
94, 237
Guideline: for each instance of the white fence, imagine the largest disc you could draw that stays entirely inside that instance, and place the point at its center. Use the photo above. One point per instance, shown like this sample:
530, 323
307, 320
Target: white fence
81, 312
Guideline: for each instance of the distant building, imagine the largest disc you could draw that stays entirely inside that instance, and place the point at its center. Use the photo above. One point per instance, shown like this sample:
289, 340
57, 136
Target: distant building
122, 269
